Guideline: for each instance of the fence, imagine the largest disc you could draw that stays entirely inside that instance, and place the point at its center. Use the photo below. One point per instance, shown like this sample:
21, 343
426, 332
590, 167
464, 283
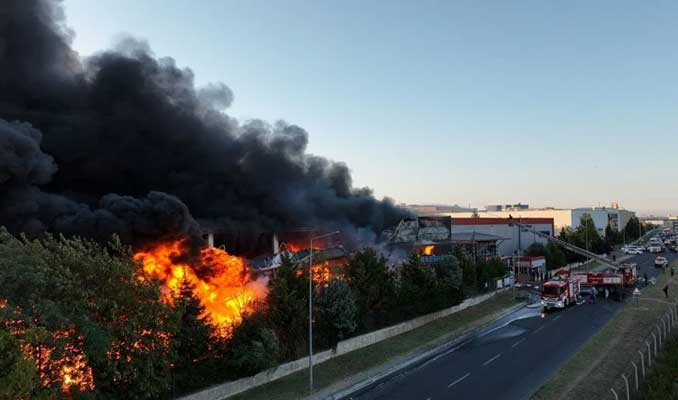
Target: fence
627, 385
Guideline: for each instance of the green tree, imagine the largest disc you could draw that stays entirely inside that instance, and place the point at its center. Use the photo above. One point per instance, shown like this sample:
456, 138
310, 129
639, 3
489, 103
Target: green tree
536, 250
288, 309
335, 313
449, 283
194, 343
87, 296
416, 287
252, 348
373, 287
18, 376
469, 271
555, 257
633, 229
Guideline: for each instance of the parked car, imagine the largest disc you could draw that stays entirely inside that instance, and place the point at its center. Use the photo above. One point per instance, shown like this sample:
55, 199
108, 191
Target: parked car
661, 262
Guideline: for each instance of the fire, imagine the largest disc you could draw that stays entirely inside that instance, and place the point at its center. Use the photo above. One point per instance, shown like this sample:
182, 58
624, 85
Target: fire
321, 273
428, 250
296, 247
70, 369
226, 293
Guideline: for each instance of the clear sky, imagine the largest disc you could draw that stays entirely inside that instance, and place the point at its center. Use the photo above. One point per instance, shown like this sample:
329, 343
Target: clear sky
560, 103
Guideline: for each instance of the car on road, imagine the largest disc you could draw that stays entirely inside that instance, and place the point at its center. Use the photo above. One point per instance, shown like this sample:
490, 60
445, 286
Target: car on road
661, 262
633, 250
655, 249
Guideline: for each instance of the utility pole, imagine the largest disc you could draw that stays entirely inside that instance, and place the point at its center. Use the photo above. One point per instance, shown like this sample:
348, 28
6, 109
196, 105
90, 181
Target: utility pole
310, 310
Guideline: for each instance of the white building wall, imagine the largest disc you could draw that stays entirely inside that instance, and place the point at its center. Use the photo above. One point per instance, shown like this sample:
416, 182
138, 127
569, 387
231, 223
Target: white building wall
562, 218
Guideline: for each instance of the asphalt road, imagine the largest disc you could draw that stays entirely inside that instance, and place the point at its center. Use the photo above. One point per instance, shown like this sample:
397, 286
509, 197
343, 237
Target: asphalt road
512, 358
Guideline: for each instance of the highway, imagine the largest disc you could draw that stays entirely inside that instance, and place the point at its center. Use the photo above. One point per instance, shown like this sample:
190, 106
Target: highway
513, 357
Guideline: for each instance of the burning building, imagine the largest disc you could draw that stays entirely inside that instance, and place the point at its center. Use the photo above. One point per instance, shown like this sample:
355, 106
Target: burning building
434, 236
476, 237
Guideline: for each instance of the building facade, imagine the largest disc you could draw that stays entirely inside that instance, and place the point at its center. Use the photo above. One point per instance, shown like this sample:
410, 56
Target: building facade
562, 218
479, 237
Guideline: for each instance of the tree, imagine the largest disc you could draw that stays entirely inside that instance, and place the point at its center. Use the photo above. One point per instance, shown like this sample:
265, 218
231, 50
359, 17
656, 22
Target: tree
536, 250
373, 287
194, 343
287, 310
18, 376
555, 257
468, 268
75, 299
449, 281
335, 313
416, 286
252, 348
633, 229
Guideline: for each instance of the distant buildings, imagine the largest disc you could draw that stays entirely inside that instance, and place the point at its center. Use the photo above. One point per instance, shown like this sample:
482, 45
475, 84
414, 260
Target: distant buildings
614, 216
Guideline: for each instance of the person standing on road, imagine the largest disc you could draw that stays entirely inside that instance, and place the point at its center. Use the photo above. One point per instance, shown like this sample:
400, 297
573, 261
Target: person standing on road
594, 292
645, 274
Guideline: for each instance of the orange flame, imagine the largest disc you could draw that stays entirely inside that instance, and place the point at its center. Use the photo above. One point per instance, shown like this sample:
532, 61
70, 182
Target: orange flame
70, 370
321, 273
226, 293
428, 250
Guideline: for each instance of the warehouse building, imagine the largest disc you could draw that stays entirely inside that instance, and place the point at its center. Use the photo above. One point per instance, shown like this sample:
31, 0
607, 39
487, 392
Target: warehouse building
477, 237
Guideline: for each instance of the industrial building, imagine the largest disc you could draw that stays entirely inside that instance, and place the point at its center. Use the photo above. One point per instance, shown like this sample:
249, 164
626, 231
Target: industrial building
614, 216
478, 237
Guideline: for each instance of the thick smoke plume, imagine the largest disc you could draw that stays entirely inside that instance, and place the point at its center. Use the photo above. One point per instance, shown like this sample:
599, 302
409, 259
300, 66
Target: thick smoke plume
126, 122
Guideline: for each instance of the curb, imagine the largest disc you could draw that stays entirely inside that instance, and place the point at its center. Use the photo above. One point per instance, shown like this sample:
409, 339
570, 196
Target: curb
412, 363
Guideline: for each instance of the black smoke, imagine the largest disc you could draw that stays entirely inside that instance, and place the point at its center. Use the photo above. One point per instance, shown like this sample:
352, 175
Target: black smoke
124, 121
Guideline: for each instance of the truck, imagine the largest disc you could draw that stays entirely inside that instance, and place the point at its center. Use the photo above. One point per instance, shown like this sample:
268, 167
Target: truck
560, 293
625, 276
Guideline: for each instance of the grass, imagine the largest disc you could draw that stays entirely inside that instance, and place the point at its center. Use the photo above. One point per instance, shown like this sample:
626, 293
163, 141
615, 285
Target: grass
356, 365
597, 366
662, 384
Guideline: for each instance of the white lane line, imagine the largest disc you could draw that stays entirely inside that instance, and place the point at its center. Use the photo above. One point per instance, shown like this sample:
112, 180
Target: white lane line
458, 380
517, 343
557, 317
538, 329
491, 359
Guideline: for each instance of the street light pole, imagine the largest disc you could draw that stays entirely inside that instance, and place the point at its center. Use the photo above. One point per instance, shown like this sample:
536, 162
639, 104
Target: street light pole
310, 310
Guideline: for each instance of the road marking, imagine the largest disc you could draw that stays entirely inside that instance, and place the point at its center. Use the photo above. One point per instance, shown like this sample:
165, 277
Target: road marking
538, 329
557, 317
517, 343
458, 380
491, 359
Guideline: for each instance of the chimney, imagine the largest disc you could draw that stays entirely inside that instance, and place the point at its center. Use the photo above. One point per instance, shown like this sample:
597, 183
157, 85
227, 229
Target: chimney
210, 239
276, 246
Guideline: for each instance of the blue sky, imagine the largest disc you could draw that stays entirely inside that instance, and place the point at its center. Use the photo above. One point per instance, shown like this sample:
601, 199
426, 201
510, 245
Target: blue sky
551, 103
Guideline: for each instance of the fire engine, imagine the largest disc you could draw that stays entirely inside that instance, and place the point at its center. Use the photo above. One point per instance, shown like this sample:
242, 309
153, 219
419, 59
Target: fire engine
625, 276
560, 293
563, 290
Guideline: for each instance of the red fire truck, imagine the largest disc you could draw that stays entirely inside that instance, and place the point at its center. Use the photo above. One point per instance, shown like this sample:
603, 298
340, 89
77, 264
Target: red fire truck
625, 276
560, 293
